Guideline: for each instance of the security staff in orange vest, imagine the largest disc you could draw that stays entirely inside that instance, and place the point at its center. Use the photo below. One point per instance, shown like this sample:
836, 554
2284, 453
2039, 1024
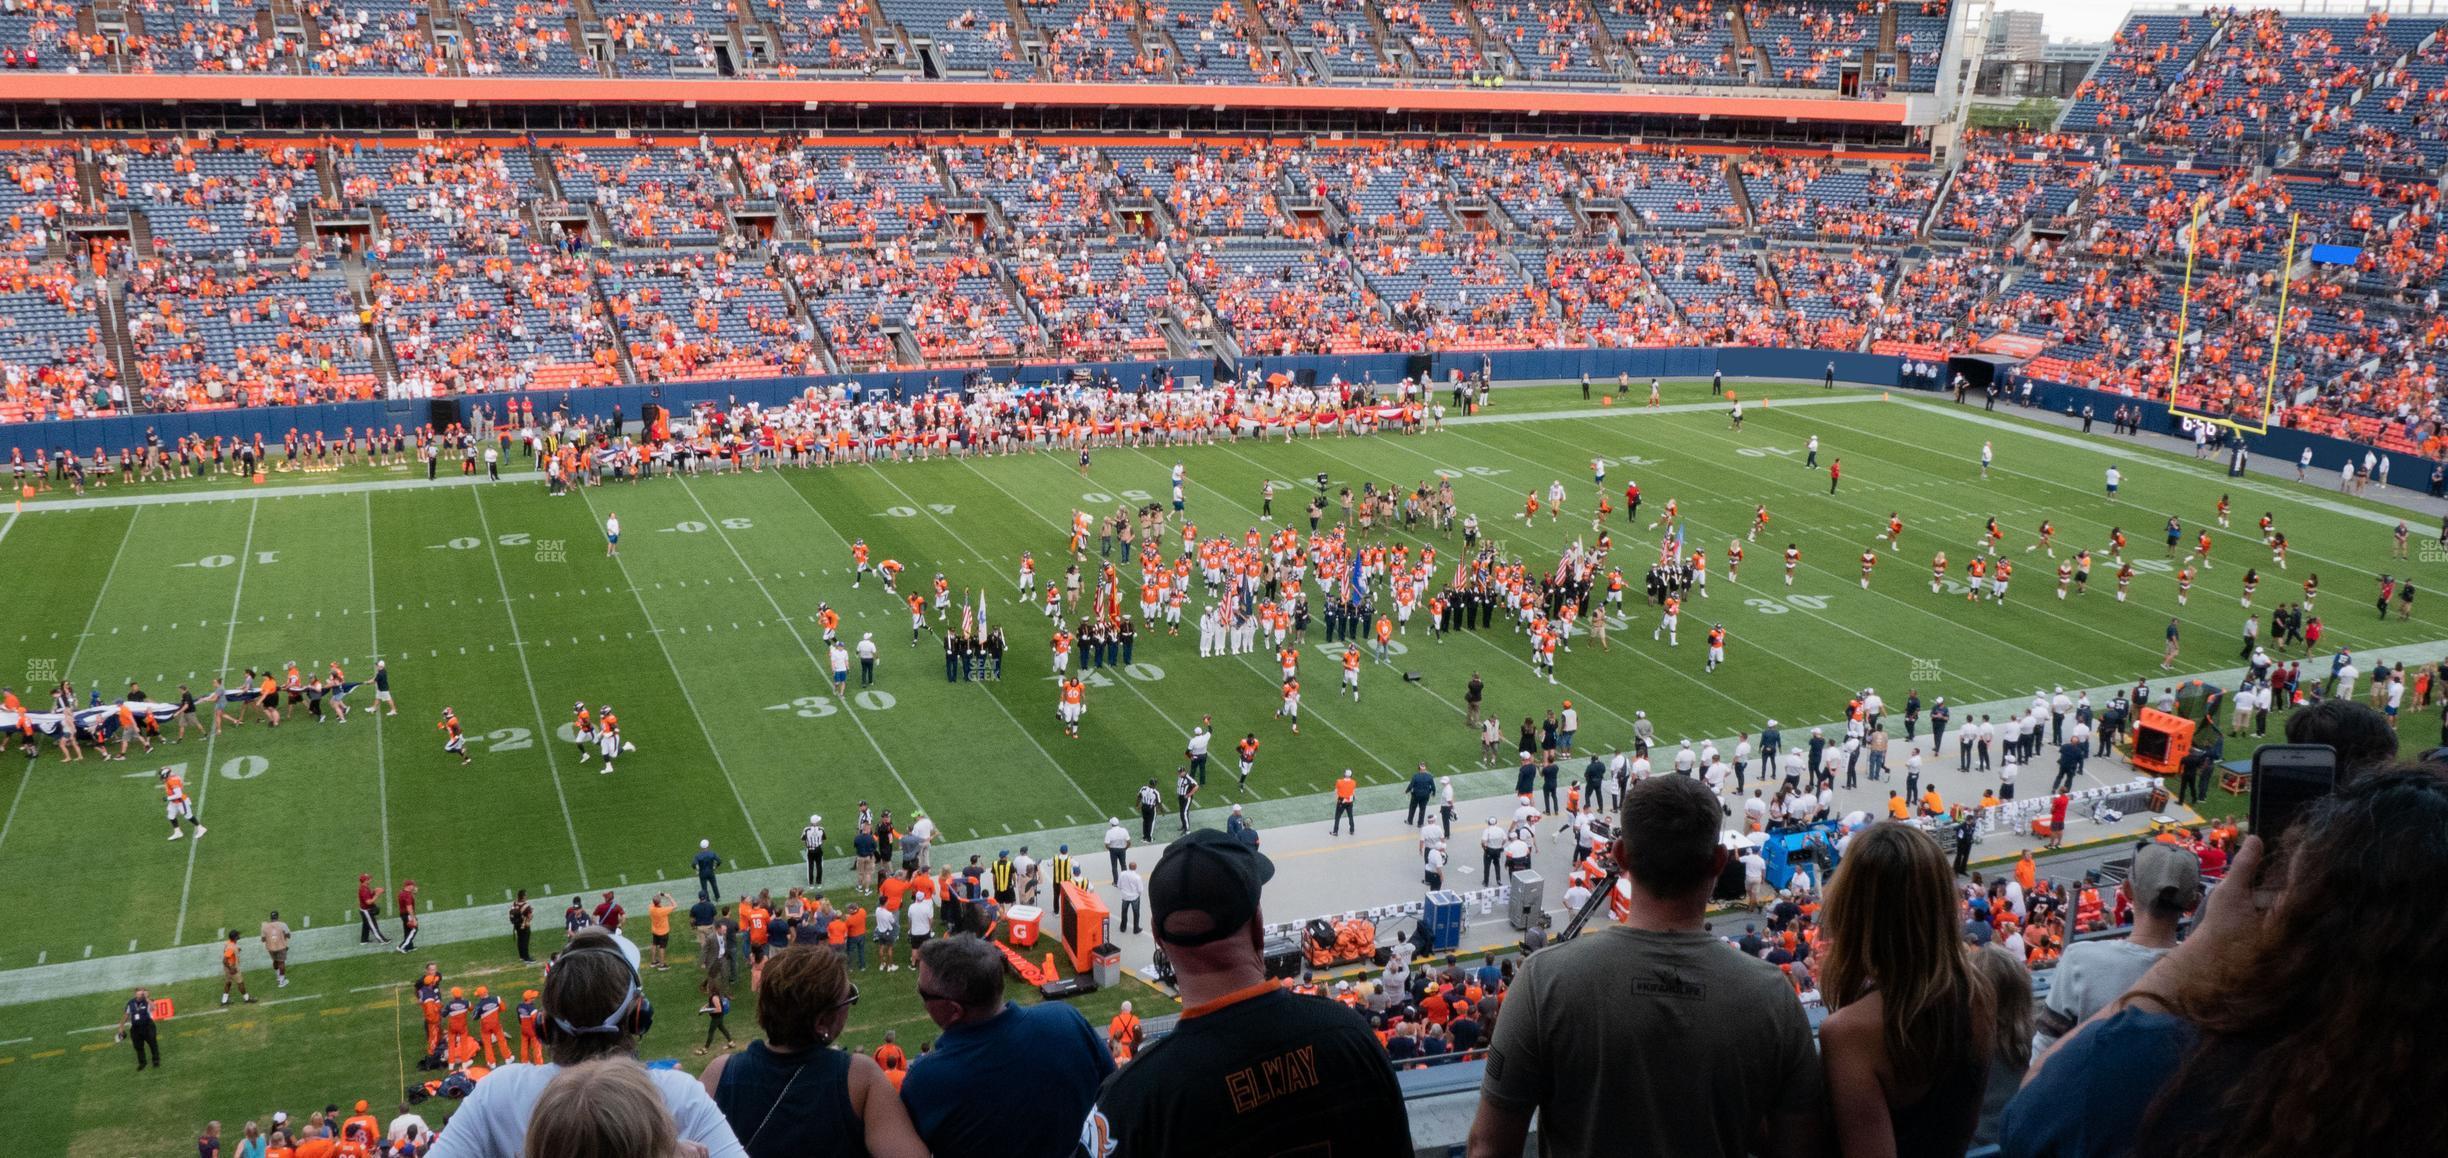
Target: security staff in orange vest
1124, 1032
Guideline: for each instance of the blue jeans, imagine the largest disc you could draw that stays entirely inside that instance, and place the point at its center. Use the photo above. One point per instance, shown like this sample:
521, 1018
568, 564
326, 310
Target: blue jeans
857, 948
1878, 764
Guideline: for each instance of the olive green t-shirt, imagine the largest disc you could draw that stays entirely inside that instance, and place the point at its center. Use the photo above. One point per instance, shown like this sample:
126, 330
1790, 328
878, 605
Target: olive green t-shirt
1673, 1044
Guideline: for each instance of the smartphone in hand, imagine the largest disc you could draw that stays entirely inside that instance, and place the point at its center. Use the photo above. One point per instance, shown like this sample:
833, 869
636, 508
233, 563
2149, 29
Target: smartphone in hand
2288, 779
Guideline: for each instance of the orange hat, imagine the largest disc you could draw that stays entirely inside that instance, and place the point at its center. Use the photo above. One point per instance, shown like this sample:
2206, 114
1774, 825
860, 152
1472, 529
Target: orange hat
480, 991
530, 995
455, 992
361, 1106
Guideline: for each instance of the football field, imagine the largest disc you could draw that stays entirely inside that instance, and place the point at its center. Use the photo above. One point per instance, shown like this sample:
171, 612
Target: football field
501, 602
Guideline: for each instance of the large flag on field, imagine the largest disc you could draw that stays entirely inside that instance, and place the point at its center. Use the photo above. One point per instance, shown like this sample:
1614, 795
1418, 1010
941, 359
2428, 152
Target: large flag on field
100, 718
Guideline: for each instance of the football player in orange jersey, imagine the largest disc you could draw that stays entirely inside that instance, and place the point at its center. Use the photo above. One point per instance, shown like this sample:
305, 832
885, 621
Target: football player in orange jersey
175, 803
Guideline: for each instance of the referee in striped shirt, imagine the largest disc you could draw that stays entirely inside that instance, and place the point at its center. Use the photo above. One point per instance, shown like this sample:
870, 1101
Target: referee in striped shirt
1063, 873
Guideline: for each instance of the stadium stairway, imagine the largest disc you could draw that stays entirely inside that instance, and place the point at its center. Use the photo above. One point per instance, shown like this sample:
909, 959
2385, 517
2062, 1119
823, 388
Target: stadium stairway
1742, 194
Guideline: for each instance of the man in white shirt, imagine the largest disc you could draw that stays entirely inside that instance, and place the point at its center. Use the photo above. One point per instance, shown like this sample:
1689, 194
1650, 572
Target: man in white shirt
2165, 883
2060, 705
1434, 866
919, 918
1516, 854
1117, 848
924, 830
1755, 878
1132, 889
1196, 750
1685, 759
1491, 849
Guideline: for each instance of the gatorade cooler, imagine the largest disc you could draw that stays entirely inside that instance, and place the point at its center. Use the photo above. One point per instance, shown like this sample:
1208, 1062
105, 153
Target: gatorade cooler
1023, 921
1443, 916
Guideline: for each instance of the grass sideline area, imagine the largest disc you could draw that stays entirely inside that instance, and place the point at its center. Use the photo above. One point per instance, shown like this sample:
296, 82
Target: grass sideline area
351, 1029
499, 601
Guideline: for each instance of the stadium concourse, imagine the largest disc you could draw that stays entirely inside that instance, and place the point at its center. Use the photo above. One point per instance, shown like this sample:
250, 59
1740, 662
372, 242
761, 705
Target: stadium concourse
857, 308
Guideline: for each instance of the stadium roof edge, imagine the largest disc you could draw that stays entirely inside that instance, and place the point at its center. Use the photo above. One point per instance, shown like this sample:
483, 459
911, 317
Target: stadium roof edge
57, 88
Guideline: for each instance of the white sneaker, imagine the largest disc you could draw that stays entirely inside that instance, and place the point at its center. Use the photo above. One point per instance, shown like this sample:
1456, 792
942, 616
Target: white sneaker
174, 834
284, 983
200, 831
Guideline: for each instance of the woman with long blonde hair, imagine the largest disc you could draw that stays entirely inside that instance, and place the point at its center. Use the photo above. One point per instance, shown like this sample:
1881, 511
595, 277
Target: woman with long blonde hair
1908, 1039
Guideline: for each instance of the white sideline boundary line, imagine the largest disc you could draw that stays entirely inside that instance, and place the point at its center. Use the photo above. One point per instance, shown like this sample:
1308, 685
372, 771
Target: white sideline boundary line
382, 776
544, 730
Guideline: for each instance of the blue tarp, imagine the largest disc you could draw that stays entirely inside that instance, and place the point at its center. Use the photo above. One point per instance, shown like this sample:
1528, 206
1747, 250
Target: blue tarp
2336, 254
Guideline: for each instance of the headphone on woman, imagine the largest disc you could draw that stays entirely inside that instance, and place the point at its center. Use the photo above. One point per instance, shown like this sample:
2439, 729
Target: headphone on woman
632, 1017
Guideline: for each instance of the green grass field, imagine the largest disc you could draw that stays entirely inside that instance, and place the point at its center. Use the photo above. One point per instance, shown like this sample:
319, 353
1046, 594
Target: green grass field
499, 601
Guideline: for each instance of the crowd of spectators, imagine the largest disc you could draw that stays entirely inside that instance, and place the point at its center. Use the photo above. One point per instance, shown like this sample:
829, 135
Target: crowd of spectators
1820, 197
451, 265
1793, 43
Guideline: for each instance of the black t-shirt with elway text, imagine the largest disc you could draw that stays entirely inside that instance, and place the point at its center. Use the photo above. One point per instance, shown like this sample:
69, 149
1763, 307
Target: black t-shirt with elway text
1270, 1073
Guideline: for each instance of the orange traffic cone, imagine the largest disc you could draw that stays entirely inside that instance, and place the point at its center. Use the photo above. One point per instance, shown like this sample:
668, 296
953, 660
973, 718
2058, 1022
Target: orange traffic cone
1052, 972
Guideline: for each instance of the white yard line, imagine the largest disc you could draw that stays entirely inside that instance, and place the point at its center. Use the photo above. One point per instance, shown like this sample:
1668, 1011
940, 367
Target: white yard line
824, 671
68, 672
682, 683
382, 785
544, 730
204, 773
1838, 577
991, 697
1246, 661
2156, 458
2081, 515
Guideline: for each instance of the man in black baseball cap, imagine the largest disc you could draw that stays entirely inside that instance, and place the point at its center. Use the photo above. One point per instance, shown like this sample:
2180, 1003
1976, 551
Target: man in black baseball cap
1252, 1068
1206, 889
